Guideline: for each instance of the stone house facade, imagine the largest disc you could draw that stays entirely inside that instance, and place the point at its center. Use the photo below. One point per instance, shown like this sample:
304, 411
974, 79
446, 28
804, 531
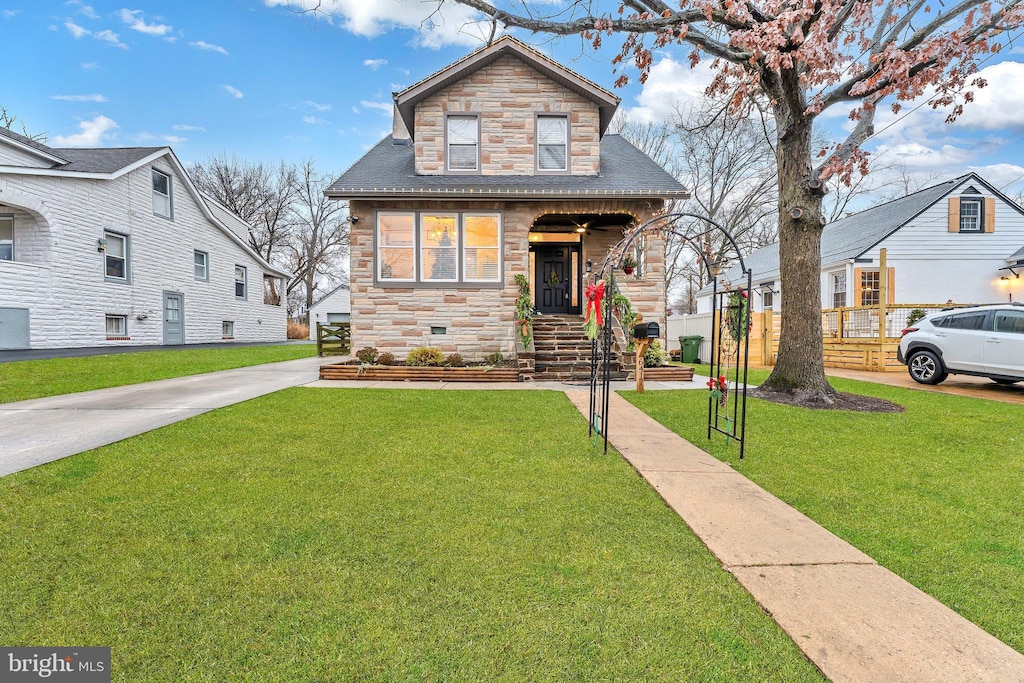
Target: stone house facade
498, 165
116, 247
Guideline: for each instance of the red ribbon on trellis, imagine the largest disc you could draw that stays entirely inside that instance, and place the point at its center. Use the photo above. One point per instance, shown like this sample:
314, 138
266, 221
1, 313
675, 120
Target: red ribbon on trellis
593, 318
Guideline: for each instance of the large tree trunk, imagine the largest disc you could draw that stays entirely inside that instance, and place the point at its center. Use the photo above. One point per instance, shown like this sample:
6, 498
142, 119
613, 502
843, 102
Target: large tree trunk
800, 369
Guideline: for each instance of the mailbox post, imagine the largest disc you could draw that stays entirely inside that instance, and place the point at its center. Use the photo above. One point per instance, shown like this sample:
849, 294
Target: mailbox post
643, 334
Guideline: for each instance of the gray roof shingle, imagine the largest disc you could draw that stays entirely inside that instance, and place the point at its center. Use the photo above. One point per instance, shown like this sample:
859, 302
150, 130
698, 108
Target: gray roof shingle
388, 170
28, 142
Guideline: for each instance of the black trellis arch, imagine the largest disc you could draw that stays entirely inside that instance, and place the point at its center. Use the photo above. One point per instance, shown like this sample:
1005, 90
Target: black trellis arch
732, 424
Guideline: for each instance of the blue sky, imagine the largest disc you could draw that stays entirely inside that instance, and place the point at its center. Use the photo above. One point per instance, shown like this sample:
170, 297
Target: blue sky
263, 81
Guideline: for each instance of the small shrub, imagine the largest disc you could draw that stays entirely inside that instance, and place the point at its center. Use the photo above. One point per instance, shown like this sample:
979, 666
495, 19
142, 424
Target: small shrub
425, 356
298, 330
386, 358
654, 355
914, 315
367, 354
454, 361
496, 358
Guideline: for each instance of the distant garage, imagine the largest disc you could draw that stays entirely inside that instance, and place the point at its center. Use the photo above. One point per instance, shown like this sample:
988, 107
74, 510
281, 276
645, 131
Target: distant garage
334, 307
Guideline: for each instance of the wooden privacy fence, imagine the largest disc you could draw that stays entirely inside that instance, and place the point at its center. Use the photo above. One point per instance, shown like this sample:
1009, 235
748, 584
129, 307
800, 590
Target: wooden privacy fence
333, 339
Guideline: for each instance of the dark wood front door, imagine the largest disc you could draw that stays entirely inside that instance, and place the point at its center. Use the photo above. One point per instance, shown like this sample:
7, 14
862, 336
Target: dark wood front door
553, 278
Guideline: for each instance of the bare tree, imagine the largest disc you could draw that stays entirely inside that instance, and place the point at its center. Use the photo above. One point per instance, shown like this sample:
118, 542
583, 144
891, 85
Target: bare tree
260, 195
803, 58
319, 243
7, 120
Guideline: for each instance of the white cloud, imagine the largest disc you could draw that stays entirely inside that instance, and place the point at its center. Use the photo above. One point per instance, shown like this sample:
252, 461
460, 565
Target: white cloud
313, 120
186, 127
11, 13
76, 30
355, 110
133, 18
88, 12
203, 45
233, 91
91, 134
375, 64
1000, 175
670, 86
316, 106
451, 24
174, 139
386, 107
110, 37
79, 98
90, 65
999, 105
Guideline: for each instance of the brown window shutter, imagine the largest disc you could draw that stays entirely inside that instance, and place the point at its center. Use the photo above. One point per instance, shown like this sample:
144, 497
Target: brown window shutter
891, 285
954, 214
990, 214
856, 287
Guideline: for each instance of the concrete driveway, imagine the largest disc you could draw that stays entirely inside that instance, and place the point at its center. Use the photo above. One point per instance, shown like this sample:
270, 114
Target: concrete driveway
958, 385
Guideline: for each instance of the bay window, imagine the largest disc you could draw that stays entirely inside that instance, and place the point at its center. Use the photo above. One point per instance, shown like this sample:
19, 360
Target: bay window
435, 248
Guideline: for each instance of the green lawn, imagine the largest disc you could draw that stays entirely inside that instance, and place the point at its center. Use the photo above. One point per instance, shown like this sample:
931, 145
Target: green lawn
935, 494
22, 380
329, 535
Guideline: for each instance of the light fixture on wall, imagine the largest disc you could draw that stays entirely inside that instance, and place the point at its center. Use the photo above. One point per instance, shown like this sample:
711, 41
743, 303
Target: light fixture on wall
590, 266
101, 244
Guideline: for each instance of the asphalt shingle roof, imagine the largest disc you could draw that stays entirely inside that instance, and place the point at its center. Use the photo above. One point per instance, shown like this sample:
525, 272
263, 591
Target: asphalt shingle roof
102, 160
388, 170
28, 142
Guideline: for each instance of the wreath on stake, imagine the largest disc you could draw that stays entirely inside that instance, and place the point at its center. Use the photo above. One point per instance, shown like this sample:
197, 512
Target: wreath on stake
737, 314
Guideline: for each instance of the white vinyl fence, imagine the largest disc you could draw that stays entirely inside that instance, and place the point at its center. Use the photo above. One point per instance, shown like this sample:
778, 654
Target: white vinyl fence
687, 325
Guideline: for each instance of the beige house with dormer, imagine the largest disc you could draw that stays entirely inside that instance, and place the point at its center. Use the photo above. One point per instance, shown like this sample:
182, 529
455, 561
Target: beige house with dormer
499, 164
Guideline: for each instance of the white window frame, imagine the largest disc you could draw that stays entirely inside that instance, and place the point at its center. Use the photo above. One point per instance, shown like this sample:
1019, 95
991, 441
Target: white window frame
9, 219
977, 220
244, 282
227, 329
108, 237
413, 248
205, 277
767, 299
537, 144
448, 143
836, 291
122, 319
161, 197
417, 249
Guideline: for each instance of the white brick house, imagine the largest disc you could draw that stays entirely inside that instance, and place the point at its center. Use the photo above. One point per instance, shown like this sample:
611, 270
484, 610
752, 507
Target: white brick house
105, 247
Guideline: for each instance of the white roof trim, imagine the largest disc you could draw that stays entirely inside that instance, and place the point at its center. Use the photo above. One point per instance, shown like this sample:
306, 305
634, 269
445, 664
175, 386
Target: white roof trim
32, 150
89, 175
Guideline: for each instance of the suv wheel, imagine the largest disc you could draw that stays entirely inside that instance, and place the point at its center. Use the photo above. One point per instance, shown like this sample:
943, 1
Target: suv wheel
926, 368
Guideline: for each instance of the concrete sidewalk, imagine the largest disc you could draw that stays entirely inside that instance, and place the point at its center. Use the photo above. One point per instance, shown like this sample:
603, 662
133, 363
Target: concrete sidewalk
855, 620
47, 429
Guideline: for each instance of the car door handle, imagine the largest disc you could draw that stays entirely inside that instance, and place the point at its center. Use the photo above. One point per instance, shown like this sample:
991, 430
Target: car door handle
992, 341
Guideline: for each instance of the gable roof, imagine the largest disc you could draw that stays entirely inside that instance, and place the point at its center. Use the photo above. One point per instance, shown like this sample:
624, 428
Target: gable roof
328, 295
388, 170
852, 236
406, 100
31, 146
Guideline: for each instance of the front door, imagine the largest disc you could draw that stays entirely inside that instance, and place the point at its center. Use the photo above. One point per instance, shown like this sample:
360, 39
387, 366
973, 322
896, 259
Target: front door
174, 318
554, 279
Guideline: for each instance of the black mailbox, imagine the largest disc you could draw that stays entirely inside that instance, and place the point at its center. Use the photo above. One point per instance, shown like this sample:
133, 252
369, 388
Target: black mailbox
647, 331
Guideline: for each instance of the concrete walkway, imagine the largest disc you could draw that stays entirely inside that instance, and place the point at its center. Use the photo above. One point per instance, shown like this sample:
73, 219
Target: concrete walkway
47, 429
855, 620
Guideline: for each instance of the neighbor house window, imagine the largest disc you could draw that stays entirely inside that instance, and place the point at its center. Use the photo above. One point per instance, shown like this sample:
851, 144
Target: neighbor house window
201, 261
115, 256
438, 247
227, 329
970, 215
869, 287
767, 299
117, 326
838, 290
552, 143
6, 238
463, 138
161, 194
240, 282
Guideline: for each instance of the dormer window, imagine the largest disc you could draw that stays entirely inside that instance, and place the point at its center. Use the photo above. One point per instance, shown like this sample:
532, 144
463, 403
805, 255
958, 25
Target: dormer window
463, 142
971, 214
552, 143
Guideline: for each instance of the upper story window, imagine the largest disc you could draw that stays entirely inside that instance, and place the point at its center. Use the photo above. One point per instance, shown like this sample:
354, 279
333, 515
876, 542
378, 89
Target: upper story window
436, 248
971, 214
6, 238
241, 282
463, 142
161, 194
115, 256
552, 143
201, 265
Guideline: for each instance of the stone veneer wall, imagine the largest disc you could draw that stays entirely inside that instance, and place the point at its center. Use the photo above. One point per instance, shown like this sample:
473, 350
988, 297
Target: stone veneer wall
479, 321
506, 95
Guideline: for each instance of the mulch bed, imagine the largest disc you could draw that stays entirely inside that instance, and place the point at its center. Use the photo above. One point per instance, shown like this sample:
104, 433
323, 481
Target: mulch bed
842, 401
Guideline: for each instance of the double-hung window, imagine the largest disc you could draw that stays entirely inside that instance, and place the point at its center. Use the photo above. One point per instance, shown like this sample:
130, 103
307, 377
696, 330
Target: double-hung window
6, 238
437, 248
838, 290
115, 256
482, 251
201, 265
241, 282
971, 214
552, 143
161, 194
396, 247
463, 142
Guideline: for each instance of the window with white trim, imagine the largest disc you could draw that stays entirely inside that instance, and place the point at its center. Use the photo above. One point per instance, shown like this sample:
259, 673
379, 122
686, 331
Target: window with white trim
552, 143
201, 265
161, 194
767, 298
437, 248
227, 329
241, 282
463, 142
396, 247
117, 326
6, 238
971, 214
838, 290
115, 256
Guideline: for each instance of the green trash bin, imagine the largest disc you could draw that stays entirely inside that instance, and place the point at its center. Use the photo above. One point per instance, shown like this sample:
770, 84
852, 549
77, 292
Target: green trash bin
691, 348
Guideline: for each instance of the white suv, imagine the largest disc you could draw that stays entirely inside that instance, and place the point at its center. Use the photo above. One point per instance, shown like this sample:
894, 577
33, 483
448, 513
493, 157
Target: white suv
987, 341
